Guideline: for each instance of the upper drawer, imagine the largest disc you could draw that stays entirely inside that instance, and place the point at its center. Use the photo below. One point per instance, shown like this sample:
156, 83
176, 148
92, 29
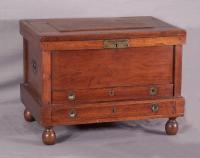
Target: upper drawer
112, 67
74, 96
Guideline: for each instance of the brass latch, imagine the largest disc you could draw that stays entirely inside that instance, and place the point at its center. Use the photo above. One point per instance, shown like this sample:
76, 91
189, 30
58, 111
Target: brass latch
119, 43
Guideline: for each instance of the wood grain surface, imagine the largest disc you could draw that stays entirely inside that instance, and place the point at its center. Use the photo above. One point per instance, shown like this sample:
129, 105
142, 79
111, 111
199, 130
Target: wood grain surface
111, 67
97, 28
112, 94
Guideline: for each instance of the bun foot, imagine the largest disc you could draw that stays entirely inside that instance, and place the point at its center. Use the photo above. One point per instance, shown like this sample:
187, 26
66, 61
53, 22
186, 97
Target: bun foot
28, 116
49, 136
171, 127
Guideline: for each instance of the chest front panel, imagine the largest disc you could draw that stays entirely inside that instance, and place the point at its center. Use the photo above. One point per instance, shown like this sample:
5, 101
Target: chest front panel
129, 72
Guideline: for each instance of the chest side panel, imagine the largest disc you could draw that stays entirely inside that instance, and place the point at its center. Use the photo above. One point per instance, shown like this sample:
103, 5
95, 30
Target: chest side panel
112, 67
34, 67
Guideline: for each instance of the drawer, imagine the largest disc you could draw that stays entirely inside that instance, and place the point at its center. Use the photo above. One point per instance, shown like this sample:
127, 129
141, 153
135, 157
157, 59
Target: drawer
85, 69
115, 111
112, 94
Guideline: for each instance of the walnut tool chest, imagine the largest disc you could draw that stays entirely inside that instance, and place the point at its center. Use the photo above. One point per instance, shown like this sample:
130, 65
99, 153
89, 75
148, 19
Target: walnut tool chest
92, 70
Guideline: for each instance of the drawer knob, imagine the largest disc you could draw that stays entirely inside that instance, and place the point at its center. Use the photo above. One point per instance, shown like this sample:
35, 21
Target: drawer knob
71, 96
72, 114
154, 107
153, 90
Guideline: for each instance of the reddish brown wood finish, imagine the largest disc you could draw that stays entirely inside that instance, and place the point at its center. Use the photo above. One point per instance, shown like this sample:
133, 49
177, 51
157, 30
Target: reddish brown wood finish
177, 70
46, 112
31, 101
25, 60
62, 56
116, 111
98, 44
171, 126
44, 31
32, 66
46, 77
49, 136
112, 67
41, 112
28, 116
113, 94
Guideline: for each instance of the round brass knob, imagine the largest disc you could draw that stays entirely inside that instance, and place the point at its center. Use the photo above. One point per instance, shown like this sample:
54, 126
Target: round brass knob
154, 107
72, 114
153, 91
71, 96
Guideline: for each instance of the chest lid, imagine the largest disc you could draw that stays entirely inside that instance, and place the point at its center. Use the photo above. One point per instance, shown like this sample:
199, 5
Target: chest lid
98, 28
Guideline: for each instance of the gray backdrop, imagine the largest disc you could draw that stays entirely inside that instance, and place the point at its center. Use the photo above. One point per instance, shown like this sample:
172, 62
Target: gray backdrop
126, 139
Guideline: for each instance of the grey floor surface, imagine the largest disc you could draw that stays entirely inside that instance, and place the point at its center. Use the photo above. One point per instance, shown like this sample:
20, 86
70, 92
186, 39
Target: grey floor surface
134, 139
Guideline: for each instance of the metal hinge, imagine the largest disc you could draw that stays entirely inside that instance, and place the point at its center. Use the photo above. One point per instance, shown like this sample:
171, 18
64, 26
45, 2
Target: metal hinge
119, 43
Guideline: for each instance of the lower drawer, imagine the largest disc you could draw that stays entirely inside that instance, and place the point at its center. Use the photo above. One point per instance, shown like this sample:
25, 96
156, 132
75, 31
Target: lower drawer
112, 94
116, 111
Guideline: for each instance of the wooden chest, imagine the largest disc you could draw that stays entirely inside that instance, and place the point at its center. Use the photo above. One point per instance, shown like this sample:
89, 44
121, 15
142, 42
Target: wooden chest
92, 70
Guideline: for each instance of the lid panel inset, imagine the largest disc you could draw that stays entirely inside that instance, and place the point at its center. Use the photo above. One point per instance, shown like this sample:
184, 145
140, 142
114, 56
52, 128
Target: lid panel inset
100, 24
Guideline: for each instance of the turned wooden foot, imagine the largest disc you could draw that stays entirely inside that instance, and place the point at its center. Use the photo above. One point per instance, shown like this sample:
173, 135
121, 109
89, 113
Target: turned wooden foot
171, 126
49, 136
28, 116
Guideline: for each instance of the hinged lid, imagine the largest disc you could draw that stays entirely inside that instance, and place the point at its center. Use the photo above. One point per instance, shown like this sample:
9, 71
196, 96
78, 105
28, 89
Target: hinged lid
97, 28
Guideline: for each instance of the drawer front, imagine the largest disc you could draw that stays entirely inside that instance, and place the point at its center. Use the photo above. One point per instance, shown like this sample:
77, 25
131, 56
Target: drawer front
85, 69
112, 94
117, 111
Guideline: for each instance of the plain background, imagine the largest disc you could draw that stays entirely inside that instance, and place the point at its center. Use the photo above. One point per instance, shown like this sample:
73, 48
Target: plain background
127, 139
